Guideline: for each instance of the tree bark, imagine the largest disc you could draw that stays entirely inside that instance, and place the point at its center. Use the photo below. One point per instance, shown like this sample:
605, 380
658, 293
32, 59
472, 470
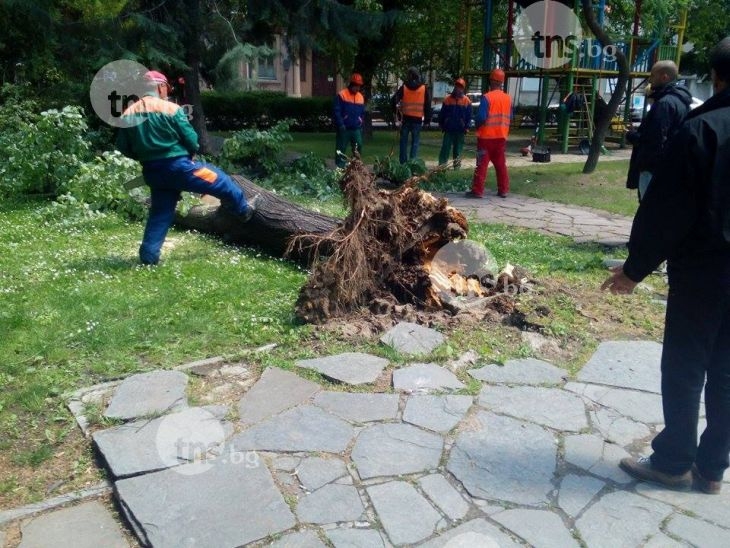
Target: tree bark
604, 120
192, 37
275, 222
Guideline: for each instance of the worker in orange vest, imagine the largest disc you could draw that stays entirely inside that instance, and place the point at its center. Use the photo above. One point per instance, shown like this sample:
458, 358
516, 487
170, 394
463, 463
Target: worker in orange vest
348, 116
492, 122
413, 102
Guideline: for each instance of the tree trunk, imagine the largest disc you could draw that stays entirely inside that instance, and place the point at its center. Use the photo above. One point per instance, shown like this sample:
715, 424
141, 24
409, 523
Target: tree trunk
604, 120
370, 53
276, 221
192, 37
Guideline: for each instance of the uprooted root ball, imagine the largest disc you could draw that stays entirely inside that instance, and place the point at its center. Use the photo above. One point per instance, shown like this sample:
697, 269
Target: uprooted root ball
380, 251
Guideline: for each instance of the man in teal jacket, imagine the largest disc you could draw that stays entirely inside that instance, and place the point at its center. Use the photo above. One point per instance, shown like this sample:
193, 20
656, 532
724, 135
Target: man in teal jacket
157, 133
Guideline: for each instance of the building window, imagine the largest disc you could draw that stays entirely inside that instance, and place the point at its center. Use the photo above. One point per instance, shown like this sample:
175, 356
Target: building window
262, 65
266, 67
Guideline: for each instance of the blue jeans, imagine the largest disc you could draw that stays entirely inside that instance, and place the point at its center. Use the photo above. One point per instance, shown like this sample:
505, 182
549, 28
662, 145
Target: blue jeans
414, 129
167, 178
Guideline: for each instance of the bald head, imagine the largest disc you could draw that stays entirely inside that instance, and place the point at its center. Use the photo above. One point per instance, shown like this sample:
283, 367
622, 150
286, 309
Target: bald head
663, 73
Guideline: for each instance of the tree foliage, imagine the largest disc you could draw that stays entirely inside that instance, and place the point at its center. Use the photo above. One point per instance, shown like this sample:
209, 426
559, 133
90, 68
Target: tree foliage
707, 24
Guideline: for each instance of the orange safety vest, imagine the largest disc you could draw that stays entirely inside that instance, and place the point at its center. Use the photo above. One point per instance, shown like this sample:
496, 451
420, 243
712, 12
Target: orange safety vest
412, 102
498, 119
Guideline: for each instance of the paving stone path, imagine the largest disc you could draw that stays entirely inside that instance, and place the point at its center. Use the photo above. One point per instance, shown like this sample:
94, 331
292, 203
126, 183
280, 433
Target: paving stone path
583, 224
529, 460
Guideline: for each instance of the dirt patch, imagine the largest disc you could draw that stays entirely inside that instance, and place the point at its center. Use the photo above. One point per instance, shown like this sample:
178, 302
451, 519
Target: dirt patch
71, 467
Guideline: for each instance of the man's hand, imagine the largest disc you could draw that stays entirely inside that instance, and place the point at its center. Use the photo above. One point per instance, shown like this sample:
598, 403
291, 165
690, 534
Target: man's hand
619, 283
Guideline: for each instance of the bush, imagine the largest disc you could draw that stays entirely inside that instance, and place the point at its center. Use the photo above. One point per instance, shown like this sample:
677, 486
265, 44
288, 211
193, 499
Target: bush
255, 150
101, 184
263, 109
41, 152
391, 169
306, 176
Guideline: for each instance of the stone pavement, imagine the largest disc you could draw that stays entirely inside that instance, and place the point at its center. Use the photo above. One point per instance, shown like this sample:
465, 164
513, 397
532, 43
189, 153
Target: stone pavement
515, 159
583, 224
529, 460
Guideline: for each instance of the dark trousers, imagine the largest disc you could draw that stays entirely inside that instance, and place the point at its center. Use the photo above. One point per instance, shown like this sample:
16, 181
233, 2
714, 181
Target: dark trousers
414, 130
167, 179
453, 142
696, 355
345, 138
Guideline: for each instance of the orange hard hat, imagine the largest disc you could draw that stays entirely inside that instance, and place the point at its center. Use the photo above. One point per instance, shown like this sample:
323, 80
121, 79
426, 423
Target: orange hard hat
497, 75
460, 82
357, 79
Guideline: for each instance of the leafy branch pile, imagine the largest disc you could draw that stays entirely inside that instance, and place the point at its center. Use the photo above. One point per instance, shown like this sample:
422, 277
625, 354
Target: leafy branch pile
259, 154
51, 154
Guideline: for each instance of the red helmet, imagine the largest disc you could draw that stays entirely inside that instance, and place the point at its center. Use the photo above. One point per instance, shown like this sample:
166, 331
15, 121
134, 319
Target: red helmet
356, 79
156, 77
460, 82
497, 75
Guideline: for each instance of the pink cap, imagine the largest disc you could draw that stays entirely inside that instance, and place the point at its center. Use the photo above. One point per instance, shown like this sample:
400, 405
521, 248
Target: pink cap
154, 76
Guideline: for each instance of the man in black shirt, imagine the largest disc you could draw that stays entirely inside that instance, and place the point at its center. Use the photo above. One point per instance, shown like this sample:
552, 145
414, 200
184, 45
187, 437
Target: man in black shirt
670, 104
685, 219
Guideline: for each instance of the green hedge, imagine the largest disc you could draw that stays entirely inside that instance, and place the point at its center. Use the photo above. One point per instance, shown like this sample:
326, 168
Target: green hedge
262, 109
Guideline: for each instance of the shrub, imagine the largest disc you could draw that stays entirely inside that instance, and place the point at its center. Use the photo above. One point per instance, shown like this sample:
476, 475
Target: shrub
391, 169
262, 109
306, 176
100, 183
43, 152
255, 150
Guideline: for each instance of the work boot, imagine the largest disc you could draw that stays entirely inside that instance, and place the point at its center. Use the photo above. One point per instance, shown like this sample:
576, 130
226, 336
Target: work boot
706, 486
643, 469
252, 207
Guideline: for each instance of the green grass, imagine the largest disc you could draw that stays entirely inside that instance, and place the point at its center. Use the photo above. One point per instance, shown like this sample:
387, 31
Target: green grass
382, 143
565, 183
76, 309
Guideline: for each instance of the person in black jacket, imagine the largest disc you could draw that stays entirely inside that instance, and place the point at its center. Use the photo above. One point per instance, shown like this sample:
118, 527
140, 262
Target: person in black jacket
685, 218
670, 104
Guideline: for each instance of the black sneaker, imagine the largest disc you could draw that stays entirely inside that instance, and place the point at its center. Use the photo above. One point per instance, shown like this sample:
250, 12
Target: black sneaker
472, 194
252, 207
502, 194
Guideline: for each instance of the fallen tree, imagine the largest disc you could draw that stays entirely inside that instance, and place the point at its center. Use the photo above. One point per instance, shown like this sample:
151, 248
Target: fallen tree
273, 226
390, 250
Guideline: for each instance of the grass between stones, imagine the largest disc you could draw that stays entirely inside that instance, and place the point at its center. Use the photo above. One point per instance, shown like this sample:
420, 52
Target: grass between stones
76, 309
